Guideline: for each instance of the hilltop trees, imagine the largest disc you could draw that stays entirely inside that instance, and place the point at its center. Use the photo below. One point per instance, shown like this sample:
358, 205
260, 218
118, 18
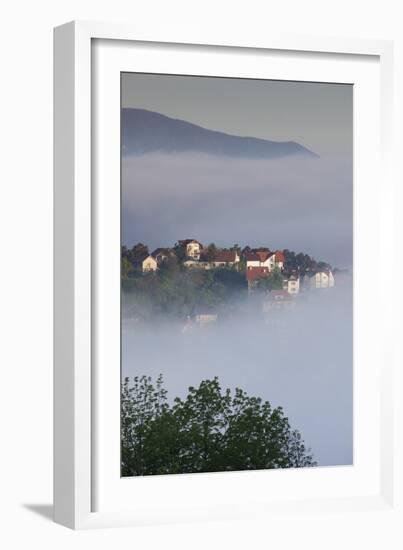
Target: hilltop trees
211, 252
127, 267
176, 292
209, 431
301, 262
130, 257
272, 281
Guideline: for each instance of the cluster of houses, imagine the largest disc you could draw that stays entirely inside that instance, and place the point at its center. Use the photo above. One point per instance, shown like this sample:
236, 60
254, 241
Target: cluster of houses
259, 264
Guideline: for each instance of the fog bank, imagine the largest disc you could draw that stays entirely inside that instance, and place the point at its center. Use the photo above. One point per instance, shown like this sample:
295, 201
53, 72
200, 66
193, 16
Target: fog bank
299, 359
298, 203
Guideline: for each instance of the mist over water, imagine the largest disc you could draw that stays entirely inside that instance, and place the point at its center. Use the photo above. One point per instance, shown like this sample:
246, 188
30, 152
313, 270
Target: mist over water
300, 359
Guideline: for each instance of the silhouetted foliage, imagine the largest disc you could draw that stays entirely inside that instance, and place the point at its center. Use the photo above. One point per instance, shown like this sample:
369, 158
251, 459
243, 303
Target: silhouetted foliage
136, 253
211, 252
209, 431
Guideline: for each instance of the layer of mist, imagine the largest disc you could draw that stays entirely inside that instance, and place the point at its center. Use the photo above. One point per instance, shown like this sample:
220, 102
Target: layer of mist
298, 358
303, 204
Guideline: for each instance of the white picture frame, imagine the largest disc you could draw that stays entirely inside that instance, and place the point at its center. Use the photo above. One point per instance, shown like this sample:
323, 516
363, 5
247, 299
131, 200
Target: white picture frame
88, 492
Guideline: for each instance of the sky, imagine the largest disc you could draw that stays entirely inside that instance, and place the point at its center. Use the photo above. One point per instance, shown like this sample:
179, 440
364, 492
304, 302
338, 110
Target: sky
303, 204
316, 115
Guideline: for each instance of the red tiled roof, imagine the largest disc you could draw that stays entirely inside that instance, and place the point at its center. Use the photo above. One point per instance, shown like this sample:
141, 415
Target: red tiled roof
280, 256
264, 255
225, 256
254, 273
259, 256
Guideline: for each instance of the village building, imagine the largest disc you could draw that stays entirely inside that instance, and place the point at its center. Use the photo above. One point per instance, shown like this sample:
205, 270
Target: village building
253, 274
192, 248
145, 262
197, 264
222, 258
292, 284
225, 258
265, 258
322, 279
149, 264
161, 255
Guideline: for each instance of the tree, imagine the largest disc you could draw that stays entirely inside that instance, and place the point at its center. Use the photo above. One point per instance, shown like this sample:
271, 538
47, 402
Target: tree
211, 252
290, 262
180, 251
273, 281
138, 252
245, 251
209, 431
142, 406
127, 267
169, 266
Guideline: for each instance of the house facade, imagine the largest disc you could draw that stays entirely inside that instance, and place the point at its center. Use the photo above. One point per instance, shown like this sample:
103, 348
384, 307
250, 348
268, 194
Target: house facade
292, 284
149, 264
322, 279
265, 258
161, 255
225, 258
192, 248
222, 258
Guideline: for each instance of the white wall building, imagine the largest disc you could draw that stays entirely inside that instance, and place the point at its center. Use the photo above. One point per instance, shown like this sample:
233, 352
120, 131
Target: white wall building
262, 258
149, 264
192, 248
291, 285
322, 279
223, 258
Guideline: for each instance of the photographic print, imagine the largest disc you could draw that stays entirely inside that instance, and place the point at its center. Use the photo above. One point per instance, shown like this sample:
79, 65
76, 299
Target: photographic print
236, 274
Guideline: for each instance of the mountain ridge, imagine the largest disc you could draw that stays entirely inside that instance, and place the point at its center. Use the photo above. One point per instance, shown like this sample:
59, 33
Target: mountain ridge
145, 131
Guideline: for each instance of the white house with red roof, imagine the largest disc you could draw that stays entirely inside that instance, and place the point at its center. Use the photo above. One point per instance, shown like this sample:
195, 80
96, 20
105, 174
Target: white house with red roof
222, 258
225, 258
265, 258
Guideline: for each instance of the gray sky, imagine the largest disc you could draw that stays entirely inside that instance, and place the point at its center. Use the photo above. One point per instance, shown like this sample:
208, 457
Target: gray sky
316, 115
